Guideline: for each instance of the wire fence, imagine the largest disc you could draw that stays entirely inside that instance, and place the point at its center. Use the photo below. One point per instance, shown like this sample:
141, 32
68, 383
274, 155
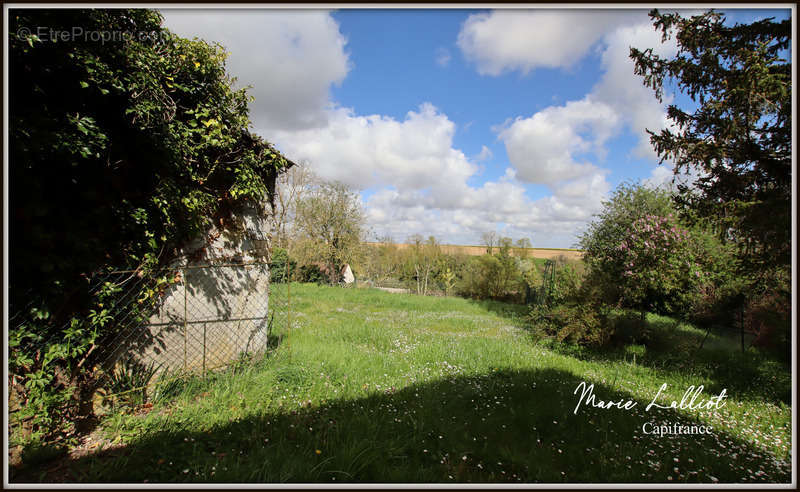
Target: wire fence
210, 316
205, 317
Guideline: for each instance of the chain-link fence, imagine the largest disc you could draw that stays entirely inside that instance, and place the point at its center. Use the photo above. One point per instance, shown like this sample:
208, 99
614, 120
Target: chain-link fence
208, 317
204, 317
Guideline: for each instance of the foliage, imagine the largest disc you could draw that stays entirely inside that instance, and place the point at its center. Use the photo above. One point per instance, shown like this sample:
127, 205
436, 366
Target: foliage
577, 323
422, 263
312, 273
661, 272
382, 262
769, 318
130, 381
565, 284
627, 203
281, 265
448, 280
738, 138
330, 224
496, 276
639, 254
523, 245
144, 146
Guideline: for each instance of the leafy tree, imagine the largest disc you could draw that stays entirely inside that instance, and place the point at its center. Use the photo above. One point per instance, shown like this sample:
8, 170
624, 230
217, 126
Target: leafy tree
508, 277
281, 266
661, 272
423, 259
738, 139
641, 255
120, 154
330, 225
628, 203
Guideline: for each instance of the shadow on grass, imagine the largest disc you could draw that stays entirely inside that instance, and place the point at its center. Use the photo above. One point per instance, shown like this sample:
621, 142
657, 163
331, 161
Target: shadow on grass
752, 374
506, 426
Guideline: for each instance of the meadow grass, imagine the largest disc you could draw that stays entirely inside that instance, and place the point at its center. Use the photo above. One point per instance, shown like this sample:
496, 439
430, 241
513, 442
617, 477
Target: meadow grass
370, 386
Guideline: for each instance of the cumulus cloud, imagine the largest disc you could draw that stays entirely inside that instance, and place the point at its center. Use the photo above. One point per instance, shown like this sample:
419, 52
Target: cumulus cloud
371, 150
552, 221
544, 147
624, 91
429, 190
524, 40
275, 51
419, 182
555, 144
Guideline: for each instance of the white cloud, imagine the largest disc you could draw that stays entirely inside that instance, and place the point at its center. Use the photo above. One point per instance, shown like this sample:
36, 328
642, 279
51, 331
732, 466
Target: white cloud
421, 181
624, 91
291, 58
544, 147
553, 144
443, 57
485, 154
524, 40
429, 178
366, 151
552, 221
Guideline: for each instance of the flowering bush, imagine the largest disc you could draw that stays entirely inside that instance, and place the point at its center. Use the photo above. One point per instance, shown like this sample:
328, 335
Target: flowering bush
660, 268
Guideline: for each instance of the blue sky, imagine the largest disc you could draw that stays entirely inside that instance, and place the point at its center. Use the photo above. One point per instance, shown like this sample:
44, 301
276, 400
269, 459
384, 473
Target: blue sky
454, 122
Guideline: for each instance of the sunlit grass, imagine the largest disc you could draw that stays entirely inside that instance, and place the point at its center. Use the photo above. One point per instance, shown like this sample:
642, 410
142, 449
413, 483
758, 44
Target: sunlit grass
369, 386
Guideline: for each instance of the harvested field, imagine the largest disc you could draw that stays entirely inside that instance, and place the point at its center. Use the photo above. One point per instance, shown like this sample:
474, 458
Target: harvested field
571, 254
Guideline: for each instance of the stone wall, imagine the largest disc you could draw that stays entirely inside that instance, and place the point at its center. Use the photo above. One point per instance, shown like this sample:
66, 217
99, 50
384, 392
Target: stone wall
218, 310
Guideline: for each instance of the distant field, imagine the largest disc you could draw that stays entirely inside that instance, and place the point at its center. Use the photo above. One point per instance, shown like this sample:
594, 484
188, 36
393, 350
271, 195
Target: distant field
572, 254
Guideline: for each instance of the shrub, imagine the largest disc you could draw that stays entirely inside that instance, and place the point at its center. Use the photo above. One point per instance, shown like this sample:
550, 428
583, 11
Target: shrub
661, 271
281, 265
312, 273
574, 323
492, 276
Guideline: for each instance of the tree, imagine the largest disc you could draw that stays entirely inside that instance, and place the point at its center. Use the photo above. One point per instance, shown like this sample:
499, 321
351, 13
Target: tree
330, 225
120, 154
639, 254
508, 275
738, 139
628, 203
489, 239
523, 245
423, 258
660, 270
290, 187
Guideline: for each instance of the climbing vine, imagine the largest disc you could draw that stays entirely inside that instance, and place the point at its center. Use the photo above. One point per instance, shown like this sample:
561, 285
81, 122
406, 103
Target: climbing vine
122, 151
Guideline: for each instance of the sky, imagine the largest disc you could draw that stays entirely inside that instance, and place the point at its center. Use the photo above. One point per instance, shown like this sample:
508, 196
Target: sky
455, 122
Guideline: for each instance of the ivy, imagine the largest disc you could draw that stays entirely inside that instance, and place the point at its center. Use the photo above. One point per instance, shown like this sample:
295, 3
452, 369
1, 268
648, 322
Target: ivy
121, 153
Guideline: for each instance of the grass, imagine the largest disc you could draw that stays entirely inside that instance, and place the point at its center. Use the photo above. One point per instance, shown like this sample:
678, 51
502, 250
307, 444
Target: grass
369, 386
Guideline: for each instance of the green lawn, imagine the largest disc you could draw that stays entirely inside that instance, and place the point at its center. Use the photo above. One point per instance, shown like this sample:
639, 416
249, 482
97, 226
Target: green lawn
370, 386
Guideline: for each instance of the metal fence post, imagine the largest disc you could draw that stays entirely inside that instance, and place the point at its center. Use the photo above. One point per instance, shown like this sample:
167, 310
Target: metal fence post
185, 319
288, 302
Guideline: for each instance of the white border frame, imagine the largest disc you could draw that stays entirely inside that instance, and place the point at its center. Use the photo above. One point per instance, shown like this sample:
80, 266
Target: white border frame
342, 6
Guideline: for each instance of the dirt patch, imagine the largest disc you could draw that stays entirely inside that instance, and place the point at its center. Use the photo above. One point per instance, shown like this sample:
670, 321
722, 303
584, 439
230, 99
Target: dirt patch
394, 290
